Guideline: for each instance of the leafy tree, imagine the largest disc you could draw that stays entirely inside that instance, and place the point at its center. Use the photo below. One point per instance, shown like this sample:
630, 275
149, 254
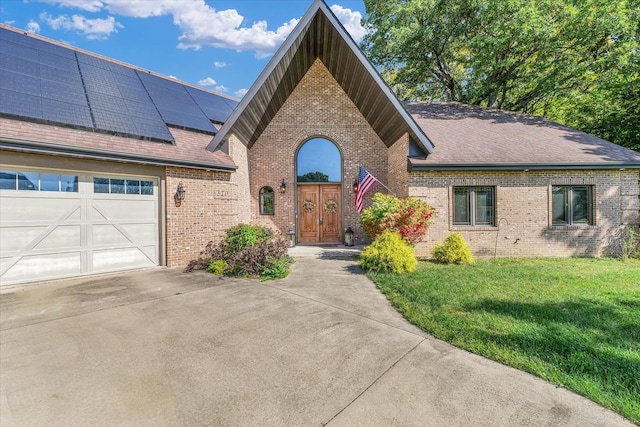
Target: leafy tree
313, 177
575, 61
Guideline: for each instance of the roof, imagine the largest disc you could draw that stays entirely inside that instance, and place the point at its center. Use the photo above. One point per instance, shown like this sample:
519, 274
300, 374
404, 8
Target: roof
47, 82
319, 34
472, 137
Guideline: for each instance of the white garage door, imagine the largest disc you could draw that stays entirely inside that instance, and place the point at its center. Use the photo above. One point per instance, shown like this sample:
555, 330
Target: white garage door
60, 224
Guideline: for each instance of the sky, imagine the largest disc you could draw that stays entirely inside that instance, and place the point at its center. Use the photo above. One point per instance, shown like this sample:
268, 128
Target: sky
221, 45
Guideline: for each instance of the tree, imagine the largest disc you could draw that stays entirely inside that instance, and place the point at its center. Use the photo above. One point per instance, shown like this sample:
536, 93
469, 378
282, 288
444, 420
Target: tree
316, 176
530, 56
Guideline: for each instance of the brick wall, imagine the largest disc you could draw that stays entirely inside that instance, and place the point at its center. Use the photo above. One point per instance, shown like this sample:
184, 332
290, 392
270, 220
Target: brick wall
318, 107
208, 210
523, 210
398, 172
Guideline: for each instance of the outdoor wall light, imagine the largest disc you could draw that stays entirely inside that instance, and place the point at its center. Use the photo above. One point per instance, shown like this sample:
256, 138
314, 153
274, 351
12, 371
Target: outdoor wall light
355, 186
179, 196
283, 186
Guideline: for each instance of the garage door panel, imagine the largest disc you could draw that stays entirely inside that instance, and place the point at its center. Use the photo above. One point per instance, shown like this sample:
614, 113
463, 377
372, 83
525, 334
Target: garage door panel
107, 234
41, 266
18, 238
124, 258
62, 237
38, 209
124, 209
145, 233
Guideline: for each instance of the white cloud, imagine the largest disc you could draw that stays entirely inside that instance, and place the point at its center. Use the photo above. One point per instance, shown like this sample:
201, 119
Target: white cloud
87, 5
218, 64
173, 77
240, 93
350, 19
203, 25
207, 82
221, 88
33, 27
91, 28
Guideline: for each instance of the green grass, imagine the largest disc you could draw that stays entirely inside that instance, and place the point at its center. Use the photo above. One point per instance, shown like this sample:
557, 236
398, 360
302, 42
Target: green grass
574, 322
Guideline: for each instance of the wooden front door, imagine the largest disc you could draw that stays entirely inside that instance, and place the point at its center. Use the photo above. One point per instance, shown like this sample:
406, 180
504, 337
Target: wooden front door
319, 213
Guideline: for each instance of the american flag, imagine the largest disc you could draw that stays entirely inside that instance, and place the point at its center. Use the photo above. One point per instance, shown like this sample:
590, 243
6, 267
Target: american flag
365, 182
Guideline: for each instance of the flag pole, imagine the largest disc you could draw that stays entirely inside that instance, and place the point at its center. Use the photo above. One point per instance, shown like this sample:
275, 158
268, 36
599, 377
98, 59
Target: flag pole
378, 181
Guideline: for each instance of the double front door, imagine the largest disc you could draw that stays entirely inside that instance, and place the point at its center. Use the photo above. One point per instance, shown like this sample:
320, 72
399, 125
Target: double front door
319, 207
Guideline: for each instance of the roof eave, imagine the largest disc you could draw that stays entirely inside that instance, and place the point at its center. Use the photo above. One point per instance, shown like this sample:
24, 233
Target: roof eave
521, 166
38, 147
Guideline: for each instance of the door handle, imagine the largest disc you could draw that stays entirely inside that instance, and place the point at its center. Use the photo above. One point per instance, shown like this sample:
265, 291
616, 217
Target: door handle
320, 221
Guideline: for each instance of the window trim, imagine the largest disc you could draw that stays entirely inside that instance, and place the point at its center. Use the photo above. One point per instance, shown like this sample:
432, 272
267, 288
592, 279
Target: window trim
569, 206
266, 191
472, 207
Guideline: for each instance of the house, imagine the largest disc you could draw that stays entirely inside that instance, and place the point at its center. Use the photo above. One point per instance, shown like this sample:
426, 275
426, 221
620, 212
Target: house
105, 166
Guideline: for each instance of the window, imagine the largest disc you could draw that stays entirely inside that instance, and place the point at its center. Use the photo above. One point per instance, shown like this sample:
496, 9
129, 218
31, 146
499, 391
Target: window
474, 206
266, 201
122, 186
571, 205
319, 160
34, 181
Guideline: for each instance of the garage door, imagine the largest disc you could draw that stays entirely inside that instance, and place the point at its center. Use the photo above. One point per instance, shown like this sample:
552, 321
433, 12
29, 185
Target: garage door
57, 224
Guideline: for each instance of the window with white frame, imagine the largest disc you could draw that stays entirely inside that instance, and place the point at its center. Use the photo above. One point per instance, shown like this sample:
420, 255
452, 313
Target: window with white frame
572, 205
474, 206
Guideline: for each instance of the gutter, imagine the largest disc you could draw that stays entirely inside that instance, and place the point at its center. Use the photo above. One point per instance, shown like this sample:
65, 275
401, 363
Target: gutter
38, 147
520, 166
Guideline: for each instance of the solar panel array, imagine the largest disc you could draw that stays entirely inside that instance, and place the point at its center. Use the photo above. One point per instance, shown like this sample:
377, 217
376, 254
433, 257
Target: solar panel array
51, 83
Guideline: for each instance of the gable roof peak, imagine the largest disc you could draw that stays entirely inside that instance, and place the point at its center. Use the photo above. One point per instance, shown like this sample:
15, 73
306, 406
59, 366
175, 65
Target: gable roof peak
319, 34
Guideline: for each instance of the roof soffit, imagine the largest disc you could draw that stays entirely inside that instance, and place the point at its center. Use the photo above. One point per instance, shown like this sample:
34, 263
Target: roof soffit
320, 35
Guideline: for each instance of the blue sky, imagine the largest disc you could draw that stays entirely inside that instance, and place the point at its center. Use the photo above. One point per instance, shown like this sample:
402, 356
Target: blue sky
222, 45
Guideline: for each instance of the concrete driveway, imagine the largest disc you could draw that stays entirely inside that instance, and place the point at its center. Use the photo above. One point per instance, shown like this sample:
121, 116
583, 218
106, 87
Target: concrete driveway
322, 347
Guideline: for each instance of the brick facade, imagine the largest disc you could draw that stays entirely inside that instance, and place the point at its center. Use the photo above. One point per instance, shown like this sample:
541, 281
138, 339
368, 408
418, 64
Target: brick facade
209, 208
523, 210
317, 108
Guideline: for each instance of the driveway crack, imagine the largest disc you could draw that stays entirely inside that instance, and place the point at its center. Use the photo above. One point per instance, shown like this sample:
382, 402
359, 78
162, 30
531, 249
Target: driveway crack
375, 381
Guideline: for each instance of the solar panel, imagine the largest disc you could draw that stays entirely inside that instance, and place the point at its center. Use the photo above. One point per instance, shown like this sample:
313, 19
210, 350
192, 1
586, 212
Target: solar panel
213, 105
20, 65
72, 94
175, 104
119, 101
63, 112
20, 104
21, 83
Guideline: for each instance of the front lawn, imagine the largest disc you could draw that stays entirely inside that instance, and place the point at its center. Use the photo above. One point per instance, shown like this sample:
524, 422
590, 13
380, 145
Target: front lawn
574, 322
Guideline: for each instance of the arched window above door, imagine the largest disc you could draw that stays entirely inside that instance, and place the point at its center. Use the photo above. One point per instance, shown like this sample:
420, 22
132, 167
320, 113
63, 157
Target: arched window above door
319, 160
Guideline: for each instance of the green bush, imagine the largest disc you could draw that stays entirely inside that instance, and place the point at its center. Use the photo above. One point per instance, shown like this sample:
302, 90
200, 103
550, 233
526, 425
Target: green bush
276, 268
243, 235
409, 217
219, 267
388, 253
246, 251
454, 250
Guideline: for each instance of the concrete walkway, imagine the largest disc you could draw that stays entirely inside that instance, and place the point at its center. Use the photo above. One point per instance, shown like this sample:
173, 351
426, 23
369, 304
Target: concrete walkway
321, 347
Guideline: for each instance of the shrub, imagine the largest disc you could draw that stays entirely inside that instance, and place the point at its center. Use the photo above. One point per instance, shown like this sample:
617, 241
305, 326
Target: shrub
454, 250
409, 217
246, 251
624, 243
243, 235
219, 267
276, 268
388, 253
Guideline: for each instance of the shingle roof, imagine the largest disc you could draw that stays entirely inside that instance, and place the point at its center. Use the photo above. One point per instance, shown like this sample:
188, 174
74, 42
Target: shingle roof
472, 137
